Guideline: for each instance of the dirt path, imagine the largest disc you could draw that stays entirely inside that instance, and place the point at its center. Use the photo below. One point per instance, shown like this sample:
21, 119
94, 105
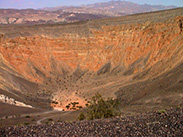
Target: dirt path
31, 114
38, 122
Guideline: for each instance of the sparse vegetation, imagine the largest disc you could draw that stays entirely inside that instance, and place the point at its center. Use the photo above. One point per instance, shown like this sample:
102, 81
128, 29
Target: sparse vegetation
68, 106
54, 102
50, 119
86, 104
73, 108
147, 124
161, 111
47, 122
80, 107
26, 123
27, 116
19, 124
98, 108
81, 116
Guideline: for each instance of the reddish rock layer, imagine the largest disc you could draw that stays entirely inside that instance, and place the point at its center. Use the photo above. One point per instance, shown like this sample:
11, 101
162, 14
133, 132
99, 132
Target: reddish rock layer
122, 44
57, 61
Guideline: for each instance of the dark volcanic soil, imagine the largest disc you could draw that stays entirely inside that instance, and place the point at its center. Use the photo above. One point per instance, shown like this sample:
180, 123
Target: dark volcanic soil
162, 123
14, 110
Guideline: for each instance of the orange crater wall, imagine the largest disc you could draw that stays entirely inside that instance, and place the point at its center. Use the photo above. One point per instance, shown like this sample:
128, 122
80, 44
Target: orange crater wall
119, 44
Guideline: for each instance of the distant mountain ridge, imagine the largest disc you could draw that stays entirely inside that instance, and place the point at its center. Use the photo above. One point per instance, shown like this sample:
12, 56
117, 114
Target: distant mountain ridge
112, 8
66, 14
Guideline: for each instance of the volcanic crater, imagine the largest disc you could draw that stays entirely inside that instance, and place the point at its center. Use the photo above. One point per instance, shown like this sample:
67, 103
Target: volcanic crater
137, 59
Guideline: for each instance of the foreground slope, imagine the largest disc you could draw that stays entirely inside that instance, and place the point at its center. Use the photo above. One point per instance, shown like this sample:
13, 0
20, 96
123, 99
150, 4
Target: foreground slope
135, 58
148, 124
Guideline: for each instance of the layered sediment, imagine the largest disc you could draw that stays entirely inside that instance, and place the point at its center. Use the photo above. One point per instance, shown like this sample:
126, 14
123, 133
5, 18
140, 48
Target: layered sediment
83, 58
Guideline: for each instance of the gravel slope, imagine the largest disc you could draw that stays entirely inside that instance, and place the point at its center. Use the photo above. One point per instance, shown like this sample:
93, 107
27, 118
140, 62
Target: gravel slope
154, 123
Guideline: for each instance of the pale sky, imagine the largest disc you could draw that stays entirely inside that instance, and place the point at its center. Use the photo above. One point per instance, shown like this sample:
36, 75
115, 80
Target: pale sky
22, 4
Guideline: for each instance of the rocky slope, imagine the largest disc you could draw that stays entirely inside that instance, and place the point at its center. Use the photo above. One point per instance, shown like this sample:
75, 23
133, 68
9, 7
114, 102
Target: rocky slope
136, 58
147, 124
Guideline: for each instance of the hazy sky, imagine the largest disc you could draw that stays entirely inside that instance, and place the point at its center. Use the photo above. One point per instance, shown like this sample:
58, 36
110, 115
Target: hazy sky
20, 4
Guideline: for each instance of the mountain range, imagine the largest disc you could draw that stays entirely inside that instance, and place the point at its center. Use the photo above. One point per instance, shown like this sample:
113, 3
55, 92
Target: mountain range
66, 14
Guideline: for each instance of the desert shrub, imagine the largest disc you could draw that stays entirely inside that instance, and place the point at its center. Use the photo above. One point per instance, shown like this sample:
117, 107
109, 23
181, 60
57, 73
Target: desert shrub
67, 106
27, 116
81, 116
54, 102
19, 124
73, 108
76, 102
47, 122
80, 107
50, 119
86, 104
26, 123
99, 108
178, 107
59, 120
161, 111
